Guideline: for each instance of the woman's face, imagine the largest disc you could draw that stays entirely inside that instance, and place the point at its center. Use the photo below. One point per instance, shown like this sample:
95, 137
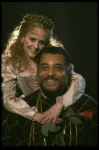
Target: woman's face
34, 42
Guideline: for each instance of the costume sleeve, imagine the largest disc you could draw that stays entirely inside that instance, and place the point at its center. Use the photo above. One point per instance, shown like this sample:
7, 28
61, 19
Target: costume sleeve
10, 101
75, 91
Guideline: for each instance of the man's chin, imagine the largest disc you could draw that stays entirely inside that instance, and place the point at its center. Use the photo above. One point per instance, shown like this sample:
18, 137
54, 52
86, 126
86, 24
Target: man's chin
54, 91
49, 92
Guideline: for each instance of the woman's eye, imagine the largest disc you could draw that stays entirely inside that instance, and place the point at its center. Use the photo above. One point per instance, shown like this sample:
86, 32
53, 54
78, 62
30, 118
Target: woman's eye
32, 39
42, 43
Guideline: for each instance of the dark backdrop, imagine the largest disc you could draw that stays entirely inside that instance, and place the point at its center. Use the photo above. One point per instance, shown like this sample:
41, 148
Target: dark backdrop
76, 25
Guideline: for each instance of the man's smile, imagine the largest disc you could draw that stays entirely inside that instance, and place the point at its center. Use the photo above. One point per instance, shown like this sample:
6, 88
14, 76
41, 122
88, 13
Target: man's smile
50, 82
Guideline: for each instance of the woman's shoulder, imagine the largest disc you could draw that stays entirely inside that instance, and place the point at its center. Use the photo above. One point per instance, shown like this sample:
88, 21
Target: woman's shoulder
7, 66
4, 60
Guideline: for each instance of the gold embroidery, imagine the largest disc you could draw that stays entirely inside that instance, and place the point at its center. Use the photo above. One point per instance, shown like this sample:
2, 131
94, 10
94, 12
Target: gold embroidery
28, 109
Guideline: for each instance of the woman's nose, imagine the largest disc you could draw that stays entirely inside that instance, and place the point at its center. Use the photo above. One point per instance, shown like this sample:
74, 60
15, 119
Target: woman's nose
36, 44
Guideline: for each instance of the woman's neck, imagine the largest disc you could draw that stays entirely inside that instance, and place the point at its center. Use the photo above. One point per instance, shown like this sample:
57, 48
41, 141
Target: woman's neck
31, 60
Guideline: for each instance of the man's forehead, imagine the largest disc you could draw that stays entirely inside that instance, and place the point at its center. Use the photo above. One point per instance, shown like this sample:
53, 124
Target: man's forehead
52, 58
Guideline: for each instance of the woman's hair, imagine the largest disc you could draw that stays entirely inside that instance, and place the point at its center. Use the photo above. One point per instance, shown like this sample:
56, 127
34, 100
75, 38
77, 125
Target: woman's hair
14, 52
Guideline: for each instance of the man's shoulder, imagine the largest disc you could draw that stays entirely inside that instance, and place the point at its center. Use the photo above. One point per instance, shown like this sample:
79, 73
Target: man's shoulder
85, 102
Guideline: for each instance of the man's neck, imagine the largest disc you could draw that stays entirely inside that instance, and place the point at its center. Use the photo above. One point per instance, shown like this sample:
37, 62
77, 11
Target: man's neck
50, 95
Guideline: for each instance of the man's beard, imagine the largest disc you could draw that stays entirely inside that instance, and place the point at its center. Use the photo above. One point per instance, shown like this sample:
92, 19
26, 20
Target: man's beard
60, 90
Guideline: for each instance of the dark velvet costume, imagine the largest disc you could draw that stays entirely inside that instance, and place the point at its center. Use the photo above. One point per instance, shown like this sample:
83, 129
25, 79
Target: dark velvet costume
19, 130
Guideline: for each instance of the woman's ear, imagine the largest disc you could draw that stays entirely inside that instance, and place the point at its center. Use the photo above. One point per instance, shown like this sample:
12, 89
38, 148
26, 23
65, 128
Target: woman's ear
22, 40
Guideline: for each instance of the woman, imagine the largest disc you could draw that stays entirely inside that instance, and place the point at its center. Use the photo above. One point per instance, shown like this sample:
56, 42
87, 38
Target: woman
19, 67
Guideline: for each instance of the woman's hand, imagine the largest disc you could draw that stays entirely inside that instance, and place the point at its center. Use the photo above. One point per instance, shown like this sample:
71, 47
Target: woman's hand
38, 117
51, 115
41, 118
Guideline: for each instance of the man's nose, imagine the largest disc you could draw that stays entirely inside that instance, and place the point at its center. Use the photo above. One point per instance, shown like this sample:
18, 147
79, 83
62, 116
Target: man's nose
51, 72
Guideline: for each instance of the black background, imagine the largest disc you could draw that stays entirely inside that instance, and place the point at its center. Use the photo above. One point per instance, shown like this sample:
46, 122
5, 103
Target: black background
76, 25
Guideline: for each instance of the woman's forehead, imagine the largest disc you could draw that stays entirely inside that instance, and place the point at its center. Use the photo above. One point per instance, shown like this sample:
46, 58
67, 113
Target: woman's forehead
38, 32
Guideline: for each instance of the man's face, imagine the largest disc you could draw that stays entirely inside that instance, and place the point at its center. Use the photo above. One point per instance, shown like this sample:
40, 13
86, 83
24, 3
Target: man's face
52, 73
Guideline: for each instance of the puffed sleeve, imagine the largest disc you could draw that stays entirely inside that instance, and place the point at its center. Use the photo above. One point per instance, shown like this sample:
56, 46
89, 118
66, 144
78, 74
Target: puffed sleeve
10, 101
75, 91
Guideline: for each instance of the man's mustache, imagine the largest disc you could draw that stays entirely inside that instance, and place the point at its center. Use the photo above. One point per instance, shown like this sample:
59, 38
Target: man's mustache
51, 78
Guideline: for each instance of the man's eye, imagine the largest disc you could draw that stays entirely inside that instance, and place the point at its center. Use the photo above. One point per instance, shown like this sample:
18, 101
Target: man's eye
44, 68
58, 68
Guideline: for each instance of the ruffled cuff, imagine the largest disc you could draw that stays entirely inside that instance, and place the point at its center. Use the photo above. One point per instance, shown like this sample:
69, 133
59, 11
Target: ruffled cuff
75, 91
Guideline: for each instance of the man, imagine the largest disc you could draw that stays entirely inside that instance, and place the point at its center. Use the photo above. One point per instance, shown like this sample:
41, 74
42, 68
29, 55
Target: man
54, 79
54, 76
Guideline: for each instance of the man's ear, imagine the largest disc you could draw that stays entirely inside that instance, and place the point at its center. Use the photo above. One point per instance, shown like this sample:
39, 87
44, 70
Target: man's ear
69, 68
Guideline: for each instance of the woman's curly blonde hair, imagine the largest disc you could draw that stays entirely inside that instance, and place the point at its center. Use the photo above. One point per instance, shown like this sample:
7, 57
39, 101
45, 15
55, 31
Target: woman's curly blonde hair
14, 52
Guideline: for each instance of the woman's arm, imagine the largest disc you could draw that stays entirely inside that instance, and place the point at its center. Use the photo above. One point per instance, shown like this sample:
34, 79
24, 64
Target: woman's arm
75, 91
10, 101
